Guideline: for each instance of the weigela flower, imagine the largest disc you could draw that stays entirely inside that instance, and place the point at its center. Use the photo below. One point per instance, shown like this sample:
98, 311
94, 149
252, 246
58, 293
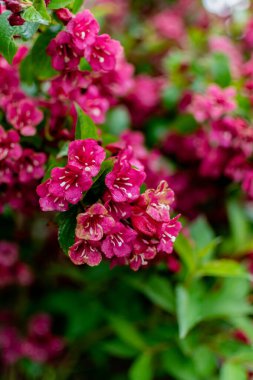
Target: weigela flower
118, 210
65, 56
24, 116
119, 241
145, 250
48, 201
94, 104
31, 165
9, 144
124, 181
69, 183
85, 252
94, 223
83, 29
64, 15
8, 253
87, 155
167, 235
102, 54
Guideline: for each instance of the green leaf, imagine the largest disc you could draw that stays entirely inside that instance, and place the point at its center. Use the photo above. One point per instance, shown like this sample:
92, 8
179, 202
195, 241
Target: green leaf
201, 233
56, 4
27, 30
222, 268
170, 97
67, 224
77, 5
142, 368
85, 128
158, 290
186, 252
38, 61
127, 332
233, 371
178, 365
8, 47
220, 69
40, 6
119, 349
32, 15
238, 223
189, 311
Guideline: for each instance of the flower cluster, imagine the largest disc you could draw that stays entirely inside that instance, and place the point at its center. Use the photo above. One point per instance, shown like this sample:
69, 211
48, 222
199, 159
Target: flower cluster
110, 75
16, 8
13, 271
39, 344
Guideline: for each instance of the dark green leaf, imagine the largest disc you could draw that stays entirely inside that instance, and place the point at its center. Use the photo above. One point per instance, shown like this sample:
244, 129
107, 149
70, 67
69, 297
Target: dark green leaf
127, 332
85, 127
67, 224
8, 47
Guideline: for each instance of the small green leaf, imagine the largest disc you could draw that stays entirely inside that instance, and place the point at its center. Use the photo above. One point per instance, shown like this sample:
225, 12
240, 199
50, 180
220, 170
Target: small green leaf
56, 4
32, 15
238, 223
186, 252
40, 6
8, 47
222, 268
119, 349
188, 310
220, 69
142, 368
67, 224
85, 127
77, 5
27, 30
233, 371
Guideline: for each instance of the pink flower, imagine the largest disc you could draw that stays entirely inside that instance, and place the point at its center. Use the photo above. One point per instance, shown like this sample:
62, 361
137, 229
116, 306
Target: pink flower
8, 253
119, 241
85, 252
64, 55
69, 183
24, 116
124, 181
144, 251
64, 15
87, 155
83, 29
168, 233
48, 201
94, 104
94, 223
102, 55
9, 144
169, 25
118, 210
31, 165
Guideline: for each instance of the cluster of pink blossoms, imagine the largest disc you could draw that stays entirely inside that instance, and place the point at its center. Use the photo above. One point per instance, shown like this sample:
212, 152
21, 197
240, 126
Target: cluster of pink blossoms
12, 270
95, 91
124, 226
39, 344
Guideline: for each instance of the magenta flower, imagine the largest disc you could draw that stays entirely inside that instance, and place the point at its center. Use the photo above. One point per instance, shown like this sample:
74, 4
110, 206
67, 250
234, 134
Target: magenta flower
9, 144
64, 55
94, 104
48, 201
8, 253
102, 54
87, 155
24, 116
118, 210
124, 181
85, 252
31, 165
94, 223
83, 29
119, 241
168, 233
144, 251
69, 183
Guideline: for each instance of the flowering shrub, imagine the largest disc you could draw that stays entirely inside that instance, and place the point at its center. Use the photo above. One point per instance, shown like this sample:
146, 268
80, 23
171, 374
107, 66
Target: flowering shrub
126, 145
